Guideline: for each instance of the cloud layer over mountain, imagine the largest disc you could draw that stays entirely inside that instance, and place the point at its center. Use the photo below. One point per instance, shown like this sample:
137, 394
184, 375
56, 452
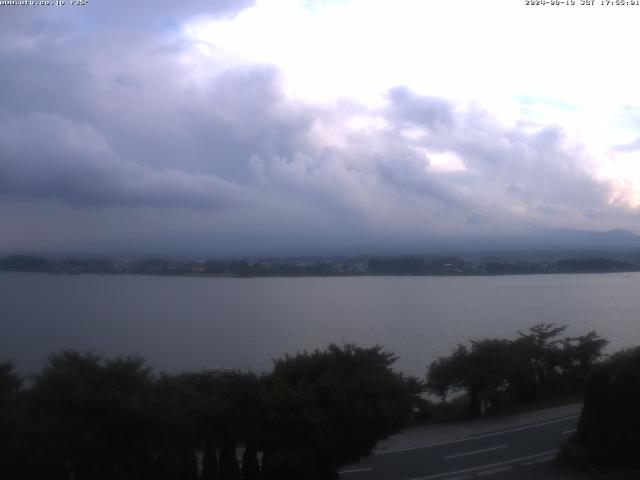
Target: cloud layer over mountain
120, 132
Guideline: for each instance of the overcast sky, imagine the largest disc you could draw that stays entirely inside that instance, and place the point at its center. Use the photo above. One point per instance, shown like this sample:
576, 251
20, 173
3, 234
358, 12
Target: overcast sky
320, 126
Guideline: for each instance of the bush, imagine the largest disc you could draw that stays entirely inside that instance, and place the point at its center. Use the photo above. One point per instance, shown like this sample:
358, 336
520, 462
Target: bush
499, 372
609, 428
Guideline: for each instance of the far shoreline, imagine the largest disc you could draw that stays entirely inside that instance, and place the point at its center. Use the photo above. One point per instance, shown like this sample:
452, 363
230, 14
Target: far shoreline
363, 275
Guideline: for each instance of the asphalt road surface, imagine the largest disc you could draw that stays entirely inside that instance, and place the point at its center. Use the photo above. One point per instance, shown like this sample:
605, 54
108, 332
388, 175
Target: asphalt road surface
504, 454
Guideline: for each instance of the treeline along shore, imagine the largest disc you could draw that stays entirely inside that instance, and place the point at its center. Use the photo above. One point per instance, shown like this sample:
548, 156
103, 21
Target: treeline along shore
321, 266
88, 417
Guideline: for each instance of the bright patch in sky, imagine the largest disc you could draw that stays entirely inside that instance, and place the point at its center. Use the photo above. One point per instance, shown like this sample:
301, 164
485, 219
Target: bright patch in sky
573, 67
463, 48
445, 161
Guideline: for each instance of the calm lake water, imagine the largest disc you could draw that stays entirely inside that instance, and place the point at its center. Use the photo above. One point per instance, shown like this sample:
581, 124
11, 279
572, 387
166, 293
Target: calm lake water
180, 323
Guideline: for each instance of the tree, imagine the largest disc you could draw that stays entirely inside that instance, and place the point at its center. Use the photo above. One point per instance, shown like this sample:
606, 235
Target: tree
25, 263
580, 355
250, 465
610, 421
10, 383
211, 412
10, 422
89, 418
500, 371
175, 404
482, 371
329, 408
536, 360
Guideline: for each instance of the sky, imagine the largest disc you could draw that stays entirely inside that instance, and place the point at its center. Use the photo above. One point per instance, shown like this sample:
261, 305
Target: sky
238, 127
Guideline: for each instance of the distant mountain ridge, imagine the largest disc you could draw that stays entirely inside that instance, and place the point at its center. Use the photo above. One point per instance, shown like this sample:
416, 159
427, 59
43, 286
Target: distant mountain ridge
559, 242
610, 239
533, 242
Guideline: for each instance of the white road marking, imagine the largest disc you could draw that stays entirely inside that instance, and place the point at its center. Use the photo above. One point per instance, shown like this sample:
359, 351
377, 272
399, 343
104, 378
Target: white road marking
475, 451
567, 432
483, 467
356, 470
494, 471
486, 435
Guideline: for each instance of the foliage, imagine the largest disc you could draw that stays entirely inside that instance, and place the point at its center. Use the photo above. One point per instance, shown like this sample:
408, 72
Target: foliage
537, 364
331, 407
208, 412
610, 421
24, 263
86, 417
10, 384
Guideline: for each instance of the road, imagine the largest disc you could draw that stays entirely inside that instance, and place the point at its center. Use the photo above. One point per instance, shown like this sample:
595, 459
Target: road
506, 453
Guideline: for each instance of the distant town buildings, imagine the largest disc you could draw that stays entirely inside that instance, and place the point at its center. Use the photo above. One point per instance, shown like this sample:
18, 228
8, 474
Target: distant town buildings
320, 266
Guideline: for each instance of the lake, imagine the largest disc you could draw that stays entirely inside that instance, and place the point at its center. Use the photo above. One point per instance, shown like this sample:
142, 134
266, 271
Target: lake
181, 323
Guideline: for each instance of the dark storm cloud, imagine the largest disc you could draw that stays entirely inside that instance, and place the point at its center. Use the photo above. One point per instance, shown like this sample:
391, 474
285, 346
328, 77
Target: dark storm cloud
240, 113
127, 13
534, 166
127, 81
476, 219
45, 156
408, 174
38, 82
139, 103
423, 111
122, 14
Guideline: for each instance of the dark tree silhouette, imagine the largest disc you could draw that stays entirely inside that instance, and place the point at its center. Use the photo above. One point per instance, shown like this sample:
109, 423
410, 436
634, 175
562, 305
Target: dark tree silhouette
11, 416
229, 468
210, 460
24, 263
88, 417
610, 421
329, 408
250, 465
537, 364
482, 371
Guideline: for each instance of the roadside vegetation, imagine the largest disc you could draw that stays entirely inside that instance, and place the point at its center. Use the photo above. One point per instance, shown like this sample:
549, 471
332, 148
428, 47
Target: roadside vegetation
607, 434
540, 365
87, 417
